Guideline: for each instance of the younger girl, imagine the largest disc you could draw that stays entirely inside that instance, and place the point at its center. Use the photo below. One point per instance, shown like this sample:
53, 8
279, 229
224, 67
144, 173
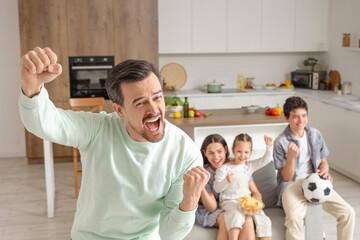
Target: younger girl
231, 181
215, 153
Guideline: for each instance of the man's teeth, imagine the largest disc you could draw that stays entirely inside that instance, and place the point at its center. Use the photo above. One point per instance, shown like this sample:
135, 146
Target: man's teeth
154, 120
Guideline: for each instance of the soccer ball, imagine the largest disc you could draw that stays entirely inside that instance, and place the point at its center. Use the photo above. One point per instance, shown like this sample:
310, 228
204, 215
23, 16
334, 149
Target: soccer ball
317, 189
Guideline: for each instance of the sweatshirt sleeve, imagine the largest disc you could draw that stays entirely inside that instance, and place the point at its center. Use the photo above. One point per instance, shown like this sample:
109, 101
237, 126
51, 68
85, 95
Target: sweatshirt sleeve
40, 117
174, 223
220, 182
261, 162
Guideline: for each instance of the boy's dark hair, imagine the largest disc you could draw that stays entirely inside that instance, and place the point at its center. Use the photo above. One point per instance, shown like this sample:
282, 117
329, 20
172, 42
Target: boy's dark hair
213, 138
244, 137
131, 70
293, 103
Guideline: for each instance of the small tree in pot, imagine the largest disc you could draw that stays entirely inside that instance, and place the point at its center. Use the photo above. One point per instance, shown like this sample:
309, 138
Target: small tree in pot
310, 62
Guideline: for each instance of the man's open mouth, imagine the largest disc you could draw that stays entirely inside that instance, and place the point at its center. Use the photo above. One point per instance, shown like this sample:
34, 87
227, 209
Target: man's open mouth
153, 124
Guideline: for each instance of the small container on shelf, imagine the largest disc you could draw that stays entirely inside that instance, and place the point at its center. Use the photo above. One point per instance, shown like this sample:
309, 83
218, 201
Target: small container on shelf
346, 40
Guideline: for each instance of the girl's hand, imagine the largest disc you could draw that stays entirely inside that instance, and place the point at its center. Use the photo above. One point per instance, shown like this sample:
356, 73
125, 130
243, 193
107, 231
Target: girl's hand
268, 140
230, 177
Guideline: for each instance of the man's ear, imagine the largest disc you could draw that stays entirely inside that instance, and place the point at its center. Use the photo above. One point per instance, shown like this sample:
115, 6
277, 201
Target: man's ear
119, 110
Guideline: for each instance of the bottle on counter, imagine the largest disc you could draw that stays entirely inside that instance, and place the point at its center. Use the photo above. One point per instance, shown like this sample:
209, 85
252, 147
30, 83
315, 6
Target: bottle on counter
186, 108
241, 82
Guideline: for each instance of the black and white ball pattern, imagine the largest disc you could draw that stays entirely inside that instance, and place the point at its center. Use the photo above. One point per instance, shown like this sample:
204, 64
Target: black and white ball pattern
317, 189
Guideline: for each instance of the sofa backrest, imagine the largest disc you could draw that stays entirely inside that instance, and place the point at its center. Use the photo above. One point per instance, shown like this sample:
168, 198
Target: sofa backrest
265, 180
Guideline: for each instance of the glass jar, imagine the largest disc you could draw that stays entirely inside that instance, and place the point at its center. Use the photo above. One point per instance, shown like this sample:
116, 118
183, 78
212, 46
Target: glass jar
346, 88
346, 40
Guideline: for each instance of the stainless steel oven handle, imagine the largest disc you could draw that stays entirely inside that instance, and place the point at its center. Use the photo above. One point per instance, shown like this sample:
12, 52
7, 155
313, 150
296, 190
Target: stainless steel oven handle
91, 67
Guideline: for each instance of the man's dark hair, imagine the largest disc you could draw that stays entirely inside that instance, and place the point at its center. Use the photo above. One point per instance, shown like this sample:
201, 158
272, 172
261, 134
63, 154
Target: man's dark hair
131, 70
293, 103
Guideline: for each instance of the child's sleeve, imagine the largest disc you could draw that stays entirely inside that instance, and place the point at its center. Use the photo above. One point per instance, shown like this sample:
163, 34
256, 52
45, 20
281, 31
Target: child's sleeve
220, 182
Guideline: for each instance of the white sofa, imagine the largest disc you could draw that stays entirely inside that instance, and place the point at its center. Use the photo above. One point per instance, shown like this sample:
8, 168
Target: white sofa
265, 180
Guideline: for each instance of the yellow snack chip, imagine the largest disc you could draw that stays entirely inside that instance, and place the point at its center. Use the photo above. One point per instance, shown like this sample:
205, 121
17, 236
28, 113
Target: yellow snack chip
250, 205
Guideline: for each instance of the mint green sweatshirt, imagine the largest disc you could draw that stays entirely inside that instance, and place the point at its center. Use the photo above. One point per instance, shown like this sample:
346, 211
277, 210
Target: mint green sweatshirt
129, 189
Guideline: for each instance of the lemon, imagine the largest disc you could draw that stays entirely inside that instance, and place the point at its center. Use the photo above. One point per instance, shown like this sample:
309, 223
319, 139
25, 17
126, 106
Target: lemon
177, 115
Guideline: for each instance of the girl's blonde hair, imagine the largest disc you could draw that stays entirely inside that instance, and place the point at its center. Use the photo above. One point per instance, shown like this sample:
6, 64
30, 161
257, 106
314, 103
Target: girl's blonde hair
243, 137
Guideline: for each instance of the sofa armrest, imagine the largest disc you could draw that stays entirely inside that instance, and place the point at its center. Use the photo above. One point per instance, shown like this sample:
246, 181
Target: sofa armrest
313, 222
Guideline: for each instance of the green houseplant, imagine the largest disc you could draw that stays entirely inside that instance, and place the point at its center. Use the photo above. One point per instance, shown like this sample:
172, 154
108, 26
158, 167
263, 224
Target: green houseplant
310, 61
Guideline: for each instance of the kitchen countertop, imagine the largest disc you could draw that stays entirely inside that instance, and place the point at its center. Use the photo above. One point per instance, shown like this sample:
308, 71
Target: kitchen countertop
223, 117
226, 117
328, 97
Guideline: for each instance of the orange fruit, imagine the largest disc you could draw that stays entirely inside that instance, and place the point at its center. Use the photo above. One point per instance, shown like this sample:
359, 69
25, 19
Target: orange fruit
287, 82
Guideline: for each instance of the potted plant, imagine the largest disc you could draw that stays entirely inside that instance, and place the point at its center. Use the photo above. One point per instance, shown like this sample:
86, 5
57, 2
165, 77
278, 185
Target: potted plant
311, 62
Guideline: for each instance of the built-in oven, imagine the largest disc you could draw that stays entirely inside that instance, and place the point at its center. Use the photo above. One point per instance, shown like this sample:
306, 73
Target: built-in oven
88, 75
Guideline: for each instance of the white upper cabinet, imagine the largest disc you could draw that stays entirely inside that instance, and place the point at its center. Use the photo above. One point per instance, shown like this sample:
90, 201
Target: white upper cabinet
244, 25
278, 23
311, 25
220, 26
209, 26
175, 24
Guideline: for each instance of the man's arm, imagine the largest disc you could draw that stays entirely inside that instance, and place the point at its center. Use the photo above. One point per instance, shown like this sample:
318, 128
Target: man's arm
177, 220
323, 169
288, 171
38, 66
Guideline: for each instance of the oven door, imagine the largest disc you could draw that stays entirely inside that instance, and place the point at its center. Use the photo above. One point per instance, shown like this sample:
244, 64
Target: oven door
89, 81
301, 79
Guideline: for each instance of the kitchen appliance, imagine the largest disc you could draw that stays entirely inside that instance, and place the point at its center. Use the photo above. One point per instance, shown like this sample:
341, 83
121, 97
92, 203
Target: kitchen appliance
307, 79
88, 75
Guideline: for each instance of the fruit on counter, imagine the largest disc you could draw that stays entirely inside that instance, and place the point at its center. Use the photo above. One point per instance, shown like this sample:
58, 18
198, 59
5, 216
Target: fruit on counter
278, 109
288, 82
271, 112
270, 85
191, 113
268, 111
197, 113
282, 85
177, 115
290, 86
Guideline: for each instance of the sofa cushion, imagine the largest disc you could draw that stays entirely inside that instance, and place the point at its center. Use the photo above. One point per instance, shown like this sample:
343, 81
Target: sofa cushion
265, 180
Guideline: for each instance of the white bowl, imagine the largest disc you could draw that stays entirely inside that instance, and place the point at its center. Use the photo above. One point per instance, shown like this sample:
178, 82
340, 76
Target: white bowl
174, 109
270, 87
257, 86
252, 108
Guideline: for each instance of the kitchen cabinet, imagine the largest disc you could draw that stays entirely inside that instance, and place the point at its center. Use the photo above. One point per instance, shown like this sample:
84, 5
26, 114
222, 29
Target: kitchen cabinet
175, 31
136, 30
50, 30
209, 26
90, 27
85, 28
278, 21
244, 25
233, 26
340, 130
311, 25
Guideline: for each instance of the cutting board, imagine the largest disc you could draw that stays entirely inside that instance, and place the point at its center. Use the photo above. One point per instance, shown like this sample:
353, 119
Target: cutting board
334, 78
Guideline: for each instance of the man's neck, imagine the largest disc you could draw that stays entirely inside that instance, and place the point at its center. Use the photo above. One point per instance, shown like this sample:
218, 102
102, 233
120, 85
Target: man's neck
298, 133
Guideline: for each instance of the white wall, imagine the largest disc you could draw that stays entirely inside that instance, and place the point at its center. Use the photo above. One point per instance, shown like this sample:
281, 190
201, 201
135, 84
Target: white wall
12, 137
224, 68
345, 18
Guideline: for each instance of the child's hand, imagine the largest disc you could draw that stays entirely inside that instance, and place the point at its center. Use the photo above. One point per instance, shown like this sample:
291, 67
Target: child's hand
230, 177
268, 140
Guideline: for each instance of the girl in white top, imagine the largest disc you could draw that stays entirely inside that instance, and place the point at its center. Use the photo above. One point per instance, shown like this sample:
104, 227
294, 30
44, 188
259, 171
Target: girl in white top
231, 181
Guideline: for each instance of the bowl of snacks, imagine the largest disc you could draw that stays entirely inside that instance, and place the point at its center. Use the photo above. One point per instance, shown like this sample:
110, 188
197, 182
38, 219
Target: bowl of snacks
250, 205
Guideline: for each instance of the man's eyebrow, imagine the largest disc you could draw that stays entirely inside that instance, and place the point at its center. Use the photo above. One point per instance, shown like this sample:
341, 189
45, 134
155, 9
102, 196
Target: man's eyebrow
139, 98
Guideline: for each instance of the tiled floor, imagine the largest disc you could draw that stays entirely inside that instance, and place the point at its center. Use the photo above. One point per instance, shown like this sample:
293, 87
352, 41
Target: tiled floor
23, 202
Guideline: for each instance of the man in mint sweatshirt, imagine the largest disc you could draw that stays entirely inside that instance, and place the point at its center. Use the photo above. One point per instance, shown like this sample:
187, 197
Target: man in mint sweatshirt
142, 176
